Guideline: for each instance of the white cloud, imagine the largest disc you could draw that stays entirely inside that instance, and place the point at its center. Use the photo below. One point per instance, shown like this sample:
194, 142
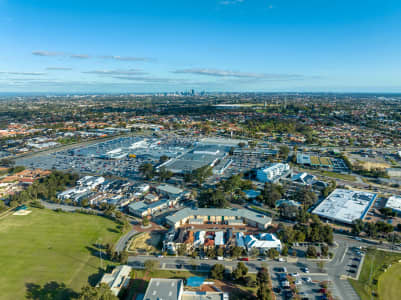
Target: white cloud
58, 69
80, 56
116, 72
47, 53
127, 58
23, 73
235, 74
86, 56
230, 2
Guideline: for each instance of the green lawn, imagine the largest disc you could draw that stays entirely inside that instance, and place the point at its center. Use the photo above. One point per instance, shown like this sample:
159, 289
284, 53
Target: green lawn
264, 211
390, 283
373, 279
338, 175
48, 246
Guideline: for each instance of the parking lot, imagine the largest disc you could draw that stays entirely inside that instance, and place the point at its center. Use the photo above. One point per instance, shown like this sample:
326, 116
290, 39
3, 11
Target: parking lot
353, 259
118, 157
291, 281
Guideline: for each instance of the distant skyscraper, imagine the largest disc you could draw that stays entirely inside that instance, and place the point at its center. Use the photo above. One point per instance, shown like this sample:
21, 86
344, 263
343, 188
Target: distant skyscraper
193, 92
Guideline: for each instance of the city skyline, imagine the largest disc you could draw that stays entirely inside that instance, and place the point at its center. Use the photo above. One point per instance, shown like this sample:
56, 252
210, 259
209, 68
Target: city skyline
240, 45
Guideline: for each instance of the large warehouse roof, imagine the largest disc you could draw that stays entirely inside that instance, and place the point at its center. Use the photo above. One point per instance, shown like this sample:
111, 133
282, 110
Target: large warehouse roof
243, 213
394, 202
345, 206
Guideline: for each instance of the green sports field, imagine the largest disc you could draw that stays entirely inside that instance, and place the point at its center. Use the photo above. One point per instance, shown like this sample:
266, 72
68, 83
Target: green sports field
46, 247
390, 283
377, 280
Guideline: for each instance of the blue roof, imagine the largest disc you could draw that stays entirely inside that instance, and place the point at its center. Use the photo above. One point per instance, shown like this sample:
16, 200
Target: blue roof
21, 207
252, 193
195, 281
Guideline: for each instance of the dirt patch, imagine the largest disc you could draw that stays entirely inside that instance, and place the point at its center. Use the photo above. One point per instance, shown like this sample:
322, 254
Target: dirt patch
368, 165
146, 242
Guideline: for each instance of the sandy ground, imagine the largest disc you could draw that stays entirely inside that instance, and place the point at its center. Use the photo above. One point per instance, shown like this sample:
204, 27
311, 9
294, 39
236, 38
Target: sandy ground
146, 242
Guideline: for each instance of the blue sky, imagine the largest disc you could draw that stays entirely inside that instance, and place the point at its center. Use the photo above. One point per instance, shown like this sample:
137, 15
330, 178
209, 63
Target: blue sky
212, 45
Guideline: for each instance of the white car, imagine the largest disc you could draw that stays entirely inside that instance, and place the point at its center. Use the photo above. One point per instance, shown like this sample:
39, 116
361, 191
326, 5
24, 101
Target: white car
280, 259
294, 274
298, 282
307, 279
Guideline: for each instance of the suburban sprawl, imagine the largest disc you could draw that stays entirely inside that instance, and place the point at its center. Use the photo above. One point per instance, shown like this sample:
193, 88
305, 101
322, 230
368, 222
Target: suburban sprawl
195, 196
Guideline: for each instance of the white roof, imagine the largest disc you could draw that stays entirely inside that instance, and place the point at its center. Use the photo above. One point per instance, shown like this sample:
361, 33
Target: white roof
199, 238
161, 288
394, 202
263, 241
170, 189
219, 238
303, 159
345, 205
117, 279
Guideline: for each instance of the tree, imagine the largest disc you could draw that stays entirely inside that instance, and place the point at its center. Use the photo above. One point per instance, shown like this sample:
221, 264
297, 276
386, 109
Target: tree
211, 252
320, 265
387, 212
163, 159
102, 292
236, 251
284, 151
147, 170
202, 173
2, 205
311, 251
123, 257
151, 265
324, 249
263, 293
271, 193
181, 250
262, 279
145, 221
249, 282
284, 250
220, 251
164, 174
50, 290
240, 272
217, 271
110, 252
212, 198
254, 252
273, 253
85, 202
306, 196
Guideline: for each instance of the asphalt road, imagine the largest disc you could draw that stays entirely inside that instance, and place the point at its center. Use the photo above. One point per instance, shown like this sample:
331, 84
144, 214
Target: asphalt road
122, 242
67, 208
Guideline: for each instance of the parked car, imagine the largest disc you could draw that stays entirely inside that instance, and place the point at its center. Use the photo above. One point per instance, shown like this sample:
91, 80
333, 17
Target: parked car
307, 279
244, 259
